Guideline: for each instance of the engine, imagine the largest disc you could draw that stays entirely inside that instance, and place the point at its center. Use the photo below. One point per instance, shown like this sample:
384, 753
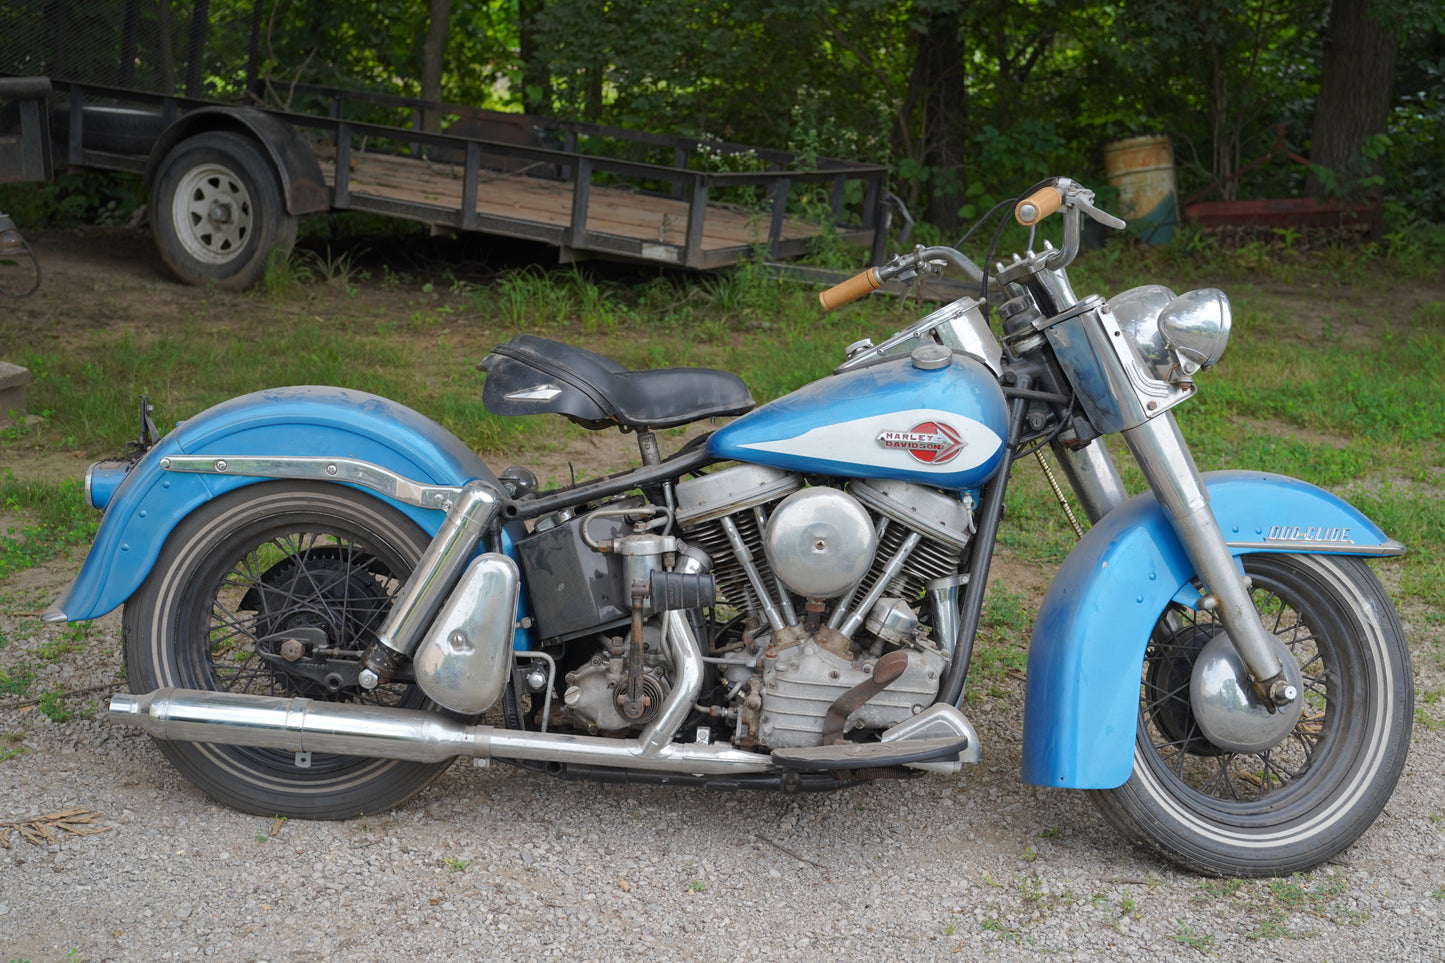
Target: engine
822, 582
809, 586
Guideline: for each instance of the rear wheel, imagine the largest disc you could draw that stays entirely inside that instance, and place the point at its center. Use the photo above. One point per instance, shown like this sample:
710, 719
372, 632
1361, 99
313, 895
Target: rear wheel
276, 589
1293, 805
217, 211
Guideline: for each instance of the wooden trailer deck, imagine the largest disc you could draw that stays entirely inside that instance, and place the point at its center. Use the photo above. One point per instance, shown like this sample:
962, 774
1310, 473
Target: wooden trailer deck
570, 184
588, 189
618, 221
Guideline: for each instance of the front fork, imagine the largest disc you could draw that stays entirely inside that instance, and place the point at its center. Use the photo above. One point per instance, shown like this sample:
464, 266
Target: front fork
1163, 456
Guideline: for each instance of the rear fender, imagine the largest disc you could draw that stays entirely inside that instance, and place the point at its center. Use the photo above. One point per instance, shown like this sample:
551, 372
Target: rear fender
315, 421
1094, 623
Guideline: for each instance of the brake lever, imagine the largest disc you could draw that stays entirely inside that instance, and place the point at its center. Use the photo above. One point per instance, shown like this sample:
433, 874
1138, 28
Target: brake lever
1103, 217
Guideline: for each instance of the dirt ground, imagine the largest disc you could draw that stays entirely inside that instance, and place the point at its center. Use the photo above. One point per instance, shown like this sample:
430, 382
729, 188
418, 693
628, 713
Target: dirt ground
975, 867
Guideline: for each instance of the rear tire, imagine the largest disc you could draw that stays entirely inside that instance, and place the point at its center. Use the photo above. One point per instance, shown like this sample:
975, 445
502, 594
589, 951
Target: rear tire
265, 562
217, 211
1290, 807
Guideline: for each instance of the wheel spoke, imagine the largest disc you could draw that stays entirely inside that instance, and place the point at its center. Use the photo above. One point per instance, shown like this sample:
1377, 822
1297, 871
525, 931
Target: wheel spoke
301, 579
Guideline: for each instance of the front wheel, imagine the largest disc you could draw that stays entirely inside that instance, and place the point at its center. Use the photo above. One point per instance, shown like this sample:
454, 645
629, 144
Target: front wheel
277, 589
1293, 805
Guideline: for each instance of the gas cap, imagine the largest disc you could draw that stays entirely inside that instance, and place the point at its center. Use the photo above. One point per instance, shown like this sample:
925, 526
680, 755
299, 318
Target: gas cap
932, 357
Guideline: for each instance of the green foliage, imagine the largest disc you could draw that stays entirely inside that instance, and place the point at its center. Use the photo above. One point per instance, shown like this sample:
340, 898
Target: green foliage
57, 706
73, 198
1189, 936
1043, 85
1003, 644
16, 680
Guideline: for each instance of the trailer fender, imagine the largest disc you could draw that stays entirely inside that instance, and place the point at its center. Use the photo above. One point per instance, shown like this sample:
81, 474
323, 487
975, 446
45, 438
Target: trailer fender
302, 184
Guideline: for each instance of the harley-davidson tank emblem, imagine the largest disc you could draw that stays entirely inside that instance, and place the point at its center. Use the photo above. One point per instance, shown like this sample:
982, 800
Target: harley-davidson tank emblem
930, 442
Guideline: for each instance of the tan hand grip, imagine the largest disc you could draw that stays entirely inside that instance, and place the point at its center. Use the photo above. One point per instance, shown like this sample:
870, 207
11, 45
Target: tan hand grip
1038, 205
851, 289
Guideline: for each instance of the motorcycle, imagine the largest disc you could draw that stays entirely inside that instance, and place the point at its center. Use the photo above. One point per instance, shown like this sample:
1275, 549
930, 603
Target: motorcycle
325, 593
12, 246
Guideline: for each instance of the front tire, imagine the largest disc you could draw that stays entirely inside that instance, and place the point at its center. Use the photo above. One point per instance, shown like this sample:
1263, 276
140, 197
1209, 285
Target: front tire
275, 589
1292, 806
217, 211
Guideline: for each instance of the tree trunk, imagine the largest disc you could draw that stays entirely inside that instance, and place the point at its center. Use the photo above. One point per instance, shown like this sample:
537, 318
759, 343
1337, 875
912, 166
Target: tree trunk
1356, 86
940, 79
536, 77
433, 59
1221, 149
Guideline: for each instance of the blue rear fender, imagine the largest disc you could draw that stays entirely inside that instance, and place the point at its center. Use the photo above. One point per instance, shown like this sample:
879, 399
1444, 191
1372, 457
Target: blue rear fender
308, 420
1094, 622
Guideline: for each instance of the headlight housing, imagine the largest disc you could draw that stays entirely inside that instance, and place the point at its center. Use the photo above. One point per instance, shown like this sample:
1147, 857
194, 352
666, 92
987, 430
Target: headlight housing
1196, 325
1173, 336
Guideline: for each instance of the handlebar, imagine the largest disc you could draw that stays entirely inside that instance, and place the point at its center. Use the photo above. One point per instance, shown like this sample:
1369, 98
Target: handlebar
1038, 205
1057, 194
851, 289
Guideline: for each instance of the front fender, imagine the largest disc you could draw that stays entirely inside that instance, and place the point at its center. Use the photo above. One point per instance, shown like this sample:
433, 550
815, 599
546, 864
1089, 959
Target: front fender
1094, 623
307, 420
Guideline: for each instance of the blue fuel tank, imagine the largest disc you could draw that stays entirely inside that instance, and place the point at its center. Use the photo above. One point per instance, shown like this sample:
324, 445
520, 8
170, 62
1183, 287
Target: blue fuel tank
901, 418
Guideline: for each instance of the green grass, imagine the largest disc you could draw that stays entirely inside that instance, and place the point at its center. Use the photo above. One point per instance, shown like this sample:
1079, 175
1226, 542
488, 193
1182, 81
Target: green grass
58, 519
1001, 648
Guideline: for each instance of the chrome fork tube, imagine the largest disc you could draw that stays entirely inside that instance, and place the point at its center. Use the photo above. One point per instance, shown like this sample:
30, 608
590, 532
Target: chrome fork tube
1093, 476
436, 573
1169, 468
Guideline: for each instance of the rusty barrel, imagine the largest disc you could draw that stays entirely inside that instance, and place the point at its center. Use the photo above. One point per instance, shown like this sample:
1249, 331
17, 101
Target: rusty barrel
1142, 168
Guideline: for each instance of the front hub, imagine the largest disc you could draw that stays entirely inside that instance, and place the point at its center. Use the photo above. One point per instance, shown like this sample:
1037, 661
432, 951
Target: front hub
1227, 704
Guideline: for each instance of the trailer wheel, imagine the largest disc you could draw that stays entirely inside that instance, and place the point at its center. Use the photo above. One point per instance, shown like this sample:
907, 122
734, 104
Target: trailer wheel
217, 211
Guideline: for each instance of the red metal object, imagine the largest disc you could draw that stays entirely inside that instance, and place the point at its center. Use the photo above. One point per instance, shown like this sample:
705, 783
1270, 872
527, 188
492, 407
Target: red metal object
1283, 212
1279, 212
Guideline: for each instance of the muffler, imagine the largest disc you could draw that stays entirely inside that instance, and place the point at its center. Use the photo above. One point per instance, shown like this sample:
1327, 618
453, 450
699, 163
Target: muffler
307, 726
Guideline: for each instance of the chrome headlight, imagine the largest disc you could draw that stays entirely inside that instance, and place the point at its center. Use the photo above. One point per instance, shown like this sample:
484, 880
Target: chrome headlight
1196, 325
1136, 313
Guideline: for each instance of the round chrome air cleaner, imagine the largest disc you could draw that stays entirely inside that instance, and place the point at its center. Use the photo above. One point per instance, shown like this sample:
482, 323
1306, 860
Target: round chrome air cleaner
820, 542
1230, 712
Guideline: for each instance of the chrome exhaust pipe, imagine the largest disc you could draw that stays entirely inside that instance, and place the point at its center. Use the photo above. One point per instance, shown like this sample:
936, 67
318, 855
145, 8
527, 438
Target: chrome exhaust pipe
306, 725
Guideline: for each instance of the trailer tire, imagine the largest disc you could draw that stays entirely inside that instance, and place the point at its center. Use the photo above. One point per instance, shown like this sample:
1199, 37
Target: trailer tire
217, 211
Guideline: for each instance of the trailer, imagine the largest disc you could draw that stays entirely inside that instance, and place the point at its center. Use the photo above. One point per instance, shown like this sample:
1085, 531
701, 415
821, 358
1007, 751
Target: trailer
228, 179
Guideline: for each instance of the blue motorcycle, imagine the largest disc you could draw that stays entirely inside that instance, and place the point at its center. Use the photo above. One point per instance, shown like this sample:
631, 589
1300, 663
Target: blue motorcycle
325, 592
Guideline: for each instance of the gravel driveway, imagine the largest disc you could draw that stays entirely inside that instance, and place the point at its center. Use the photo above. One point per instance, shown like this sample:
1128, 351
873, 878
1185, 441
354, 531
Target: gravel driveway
497, 863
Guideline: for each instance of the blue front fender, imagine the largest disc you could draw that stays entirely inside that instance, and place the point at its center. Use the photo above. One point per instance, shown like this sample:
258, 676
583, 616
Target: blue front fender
316, 421
1094, 623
